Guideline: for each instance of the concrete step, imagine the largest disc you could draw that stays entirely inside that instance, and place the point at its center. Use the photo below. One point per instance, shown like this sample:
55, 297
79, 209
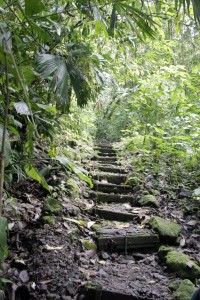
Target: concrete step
109, 177
111, 188
118, 198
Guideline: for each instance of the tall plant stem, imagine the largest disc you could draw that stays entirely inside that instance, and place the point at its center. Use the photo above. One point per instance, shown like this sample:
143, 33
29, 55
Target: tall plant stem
2, 154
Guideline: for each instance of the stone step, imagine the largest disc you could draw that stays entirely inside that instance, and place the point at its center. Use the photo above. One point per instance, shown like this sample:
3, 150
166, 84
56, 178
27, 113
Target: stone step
112, 169
105, 150
98, 292
111, 188
129, 241
118, 198
109, 177
103, 154
112, 215
106, 158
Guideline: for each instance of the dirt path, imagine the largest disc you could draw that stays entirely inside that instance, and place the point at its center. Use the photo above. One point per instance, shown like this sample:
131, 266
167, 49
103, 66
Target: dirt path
61, 261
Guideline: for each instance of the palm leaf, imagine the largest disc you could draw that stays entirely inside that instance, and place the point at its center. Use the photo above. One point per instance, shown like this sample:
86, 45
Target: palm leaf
55, 66
59, 72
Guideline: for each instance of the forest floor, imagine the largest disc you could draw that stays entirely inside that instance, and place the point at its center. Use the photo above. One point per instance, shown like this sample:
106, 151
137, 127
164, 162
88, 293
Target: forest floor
101, 245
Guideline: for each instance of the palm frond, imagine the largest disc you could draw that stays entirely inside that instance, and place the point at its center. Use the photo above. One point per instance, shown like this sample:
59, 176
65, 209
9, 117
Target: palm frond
61, 72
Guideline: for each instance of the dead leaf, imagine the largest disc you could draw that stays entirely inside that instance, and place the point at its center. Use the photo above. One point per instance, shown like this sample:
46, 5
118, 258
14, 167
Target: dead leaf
88, 273
23, 275
182, 242
45, 281
54, 247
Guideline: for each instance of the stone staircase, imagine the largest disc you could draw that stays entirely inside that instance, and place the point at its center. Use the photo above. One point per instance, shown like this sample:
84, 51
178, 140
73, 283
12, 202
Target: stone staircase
120, 238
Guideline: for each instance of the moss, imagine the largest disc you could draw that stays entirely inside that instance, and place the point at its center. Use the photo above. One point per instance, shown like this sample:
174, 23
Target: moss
133, 181
184, 290
89, 245
154, 192
96, 227
73, 188
48, 220
52, 205
179, 263
167, 230
148, 200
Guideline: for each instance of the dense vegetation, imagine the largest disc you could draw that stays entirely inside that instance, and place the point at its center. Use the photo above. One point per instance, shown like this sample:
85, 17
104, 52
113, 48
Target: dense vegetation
76, 71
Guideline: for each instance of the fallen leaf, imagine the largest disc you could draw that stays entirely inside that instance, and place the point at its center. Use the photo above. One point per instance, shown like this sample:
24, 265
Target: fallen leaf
54, 247
45, 281
23, 275
90, 224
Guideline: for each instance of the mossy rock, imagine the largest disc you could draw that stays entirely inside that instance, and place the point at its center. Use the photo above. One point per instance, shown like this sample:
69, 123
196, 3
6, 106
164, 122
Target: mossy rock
148, 200
184, 290
179, 263
48, 220
168, 230
133, 181
52, 205
73, 188
154, 192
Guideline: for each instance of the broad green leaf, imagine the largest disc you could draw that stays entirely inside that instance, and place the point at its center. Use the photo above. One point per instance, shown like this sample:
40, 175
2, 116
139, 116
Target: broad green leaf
28, 74
48, 107
196, 192
159, 130
7, 146
3, 238
34, 173
22, 108
33, 7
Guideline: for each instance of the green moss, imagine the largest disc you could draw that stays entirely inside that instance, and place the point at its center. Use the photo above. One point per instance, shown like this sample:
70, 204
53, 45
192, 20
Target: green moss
154, 192
179, 263
52, 205
49, 220
148, 200
73, 188
167, 230
133, 181
184, 290
96, 227
89, 245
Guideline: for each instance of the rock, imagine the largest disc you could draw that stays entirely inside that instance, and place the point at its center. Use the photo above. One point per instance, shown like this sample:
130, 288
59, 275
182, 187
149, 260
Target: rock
179, 263
49, 220
168, 230
184, 291
148, 200
52, 205
73, 188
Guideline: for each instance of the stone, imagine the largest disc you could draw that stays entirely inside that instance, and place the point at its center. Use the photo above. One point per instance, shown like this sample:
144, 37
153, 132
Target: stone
179, 263
149, 200
184, 290
73, 188
168, 230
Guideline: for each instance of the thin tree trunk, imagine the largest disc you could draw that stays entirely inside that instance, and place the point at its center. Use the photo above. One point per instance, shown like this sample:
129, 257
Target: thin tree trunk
2, 155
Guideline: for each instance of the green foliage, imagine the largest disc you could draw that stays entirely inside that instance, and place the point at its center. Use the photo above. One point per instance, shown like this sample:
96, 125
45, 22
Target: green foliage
3, 239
